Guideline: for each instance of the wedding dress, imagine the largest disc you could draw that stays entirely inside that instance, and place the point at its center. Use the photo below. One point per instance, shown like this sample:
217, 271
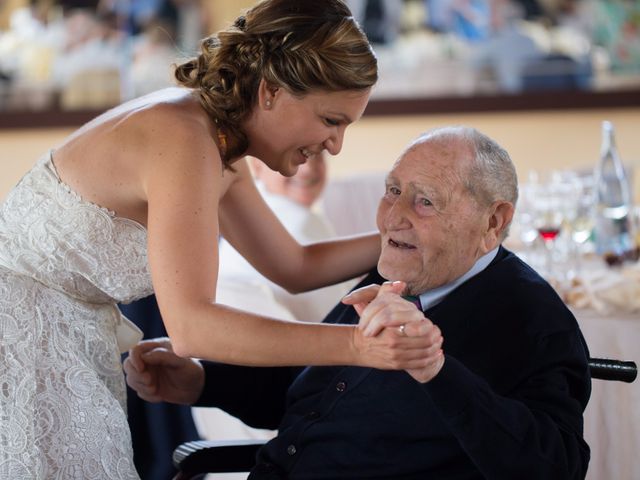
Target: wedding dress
64, 264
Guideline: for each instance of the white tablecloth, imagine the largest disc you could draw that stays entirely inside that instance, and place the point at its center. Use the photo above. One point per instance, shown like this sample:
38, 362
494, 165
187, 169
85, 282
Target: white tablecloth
612, 417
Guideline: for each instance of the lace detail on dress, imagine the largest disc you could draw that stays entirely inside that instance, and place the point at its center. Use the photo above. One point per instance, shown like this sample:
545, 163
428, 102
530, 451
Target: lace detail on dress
48, 232
64, 263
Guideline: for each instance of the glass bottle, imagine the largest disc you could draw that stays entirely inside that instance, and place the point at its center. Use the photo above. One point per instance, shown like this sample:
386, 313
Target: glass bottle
613, 225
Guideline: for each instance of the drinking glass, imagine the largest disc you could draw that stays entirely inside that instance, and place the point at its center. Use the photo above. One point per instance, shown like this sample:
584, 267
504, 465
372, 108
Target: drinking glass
523, 224
583, 221
578, 209
547, 196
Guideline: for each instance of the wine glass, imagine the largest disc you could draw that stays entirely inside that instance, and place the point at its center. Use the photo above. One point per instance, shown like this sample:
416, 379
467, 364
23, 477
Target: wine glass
523, 224
547, 197
583, 220
578, 205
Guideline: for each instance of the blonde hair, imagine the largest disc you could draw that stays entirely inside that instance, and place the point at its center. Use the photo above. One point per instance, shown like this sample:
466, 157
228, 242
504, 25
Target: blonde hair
299, 45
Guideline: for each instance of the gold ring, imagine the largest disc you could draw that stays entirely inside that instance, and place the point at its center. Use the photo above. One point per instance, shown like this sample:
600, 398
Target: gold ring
401, 330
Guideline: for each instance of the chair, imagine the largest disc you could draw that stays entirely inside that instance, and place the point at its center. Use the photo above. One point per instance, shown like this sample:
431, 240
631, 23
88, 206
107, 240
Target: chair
195, 459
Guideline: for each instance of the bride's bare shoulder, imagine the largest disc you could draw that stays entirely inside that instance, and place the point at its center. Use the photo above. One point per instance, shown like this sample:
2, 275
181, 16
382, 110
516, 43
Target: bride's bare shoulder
168, 119
174, 108
132, 117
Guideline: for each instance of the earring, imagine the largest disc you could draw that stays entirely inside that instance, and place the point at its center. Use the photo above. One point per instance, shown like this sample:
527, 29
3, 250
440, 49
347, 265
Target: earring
268, 103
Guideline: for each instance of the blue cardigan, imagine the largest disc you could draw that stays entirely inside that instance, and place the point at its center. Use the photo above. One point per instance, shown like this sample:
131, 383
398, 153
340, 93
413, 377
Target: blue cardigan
507, 404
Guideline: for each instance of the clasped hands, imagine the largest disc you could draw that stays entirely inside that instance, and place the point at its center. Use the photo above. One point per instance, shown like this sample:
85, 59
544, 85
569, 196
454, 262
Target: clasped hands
158, 374
384, 313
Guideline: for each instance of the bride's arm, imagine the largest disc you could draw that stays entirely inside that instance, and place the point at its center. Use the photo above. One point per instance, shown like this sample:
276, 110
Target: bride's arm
249, 225
182, 179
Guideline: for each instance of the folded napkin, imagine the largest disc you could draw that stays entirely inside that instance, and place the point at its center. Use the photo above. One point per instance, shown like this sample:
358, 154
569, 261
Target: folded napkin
606, 289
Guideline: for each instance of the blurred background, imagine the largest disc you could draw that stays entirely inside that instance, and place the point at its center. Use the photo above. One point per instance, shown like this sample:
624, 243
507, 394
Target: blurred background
537, 75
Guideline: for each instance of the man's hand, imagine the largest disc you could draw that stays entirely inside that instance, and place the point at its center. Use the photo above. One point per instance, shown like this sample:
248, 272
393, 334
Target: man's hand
430, 370
159, 375
381, 307
363, 296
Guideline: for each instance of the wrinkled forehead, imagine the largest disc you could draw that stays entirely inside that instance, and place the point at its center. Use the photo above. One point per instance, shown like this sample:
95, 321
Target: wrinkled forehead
435, 161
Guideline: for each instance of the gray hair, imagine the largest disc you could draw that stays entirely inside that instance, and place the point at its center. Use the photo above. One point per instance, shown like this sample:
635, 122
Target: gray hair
492, 175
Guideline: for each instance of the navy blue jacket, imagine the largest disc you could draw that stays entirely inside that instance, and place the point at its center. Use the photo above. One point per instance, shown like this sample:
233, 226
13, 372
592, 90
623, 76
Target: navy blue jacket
507, 404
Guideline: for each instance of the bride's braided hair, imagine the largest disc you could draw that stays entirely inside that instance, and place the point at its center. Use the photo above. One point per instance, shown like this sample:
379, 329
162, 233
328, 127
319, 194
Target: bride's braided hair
299, 45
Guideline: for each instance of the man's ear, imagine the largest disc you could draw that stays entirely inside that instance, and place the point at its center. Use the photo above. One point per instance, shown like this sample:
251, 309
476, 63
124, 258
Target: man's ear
267, 94
500, 216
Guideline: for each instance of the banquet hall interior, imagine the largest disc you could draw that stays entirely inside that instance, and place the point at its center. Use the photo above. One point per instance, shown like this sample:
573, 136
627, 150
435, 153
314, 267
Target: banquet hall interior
538, 76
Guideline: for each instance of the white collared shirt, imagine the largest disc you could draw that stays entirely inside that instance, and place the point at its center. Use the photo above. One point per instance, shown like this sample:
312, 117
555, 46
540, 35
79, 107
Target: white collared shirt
431, 298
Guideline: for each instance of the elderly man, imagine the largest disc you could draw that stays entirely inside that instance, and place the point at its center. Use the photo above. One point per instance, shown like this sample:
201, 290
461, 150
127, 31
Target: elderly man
504, 400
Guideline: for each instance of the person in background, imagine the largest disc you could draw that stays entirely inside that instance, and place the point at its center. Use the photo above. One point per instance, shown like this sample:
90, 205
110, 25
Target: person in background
505, 399
508, 50
133, 203
380, 19
293, 200
468, 19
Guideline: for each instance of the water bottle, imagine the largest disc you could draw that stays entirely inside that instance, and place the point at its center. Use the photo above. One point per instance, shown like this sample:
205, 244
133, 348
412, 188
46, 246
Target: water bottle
614, 206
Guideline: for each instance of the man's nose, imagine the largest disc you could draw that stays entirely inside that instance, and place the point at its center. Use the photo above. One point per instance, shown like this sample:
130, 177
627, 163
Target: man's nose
333, 144
397, 217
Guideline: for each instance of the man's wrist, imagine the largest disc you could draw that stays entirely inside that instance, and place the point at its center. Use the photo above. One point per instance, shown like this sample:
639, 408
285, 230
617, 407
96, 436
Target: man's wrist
429, 373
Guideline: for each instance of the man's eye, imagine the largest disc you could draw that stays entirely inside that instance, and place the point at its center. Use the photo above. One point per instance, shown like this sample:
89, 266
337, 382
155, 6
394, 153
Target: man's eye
424, 202
393, 190
332, 122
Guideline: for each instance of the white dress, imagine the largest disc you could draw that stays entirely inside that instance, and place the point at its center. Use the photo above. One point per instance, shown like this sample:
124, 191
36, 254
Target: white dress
64, 264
